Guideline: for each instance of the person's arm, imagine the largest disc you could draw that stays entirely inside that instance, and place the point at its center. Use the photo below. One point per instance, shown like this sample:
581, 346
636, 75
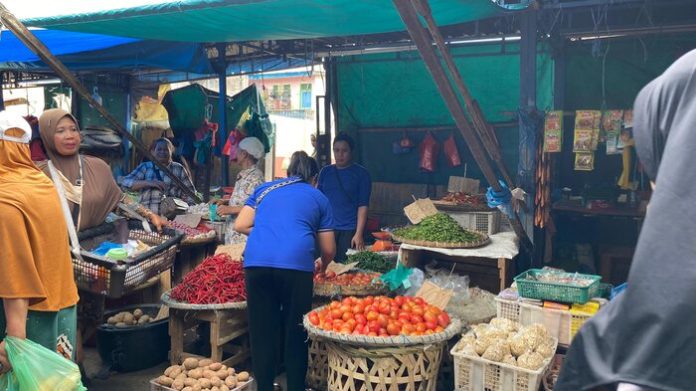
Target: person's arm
327, 248
156, 220
16, 311
364, 191
245, 220
136, 180
358, 241
226, 210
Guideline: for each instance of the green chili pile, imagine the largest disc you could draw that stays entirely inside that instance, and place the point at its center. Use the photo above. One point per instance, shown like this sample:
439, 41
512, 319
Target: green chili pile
368, 260
438, 228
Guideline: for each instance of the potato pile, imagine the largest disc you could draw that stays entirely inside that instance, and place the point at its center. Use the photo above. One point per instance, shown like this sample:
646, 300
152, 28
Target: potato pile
503, 340
128, 319
202, 375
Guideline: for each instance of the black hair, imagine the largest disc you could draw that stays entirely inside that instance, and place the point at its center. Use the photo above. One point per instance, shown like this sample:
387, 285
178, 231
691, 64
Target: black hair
346, 139
303, 166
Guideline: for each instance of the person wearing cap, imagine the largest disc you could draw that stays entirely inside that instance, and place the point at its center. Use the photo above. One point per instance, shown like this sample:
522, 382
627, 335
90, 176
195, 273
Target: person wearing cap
38, 292
249, 152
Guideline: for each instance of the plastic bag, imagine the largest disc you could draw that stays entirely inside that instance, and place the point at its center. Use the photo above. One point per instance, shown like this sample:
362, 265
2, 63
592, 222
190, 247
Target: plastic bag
36, 368
428, 153
451, 152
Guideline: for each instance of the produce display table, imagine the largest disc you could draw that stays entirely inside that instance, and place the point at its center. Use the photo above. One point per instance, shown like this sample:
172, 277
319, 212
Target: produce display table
490, 267
228, 330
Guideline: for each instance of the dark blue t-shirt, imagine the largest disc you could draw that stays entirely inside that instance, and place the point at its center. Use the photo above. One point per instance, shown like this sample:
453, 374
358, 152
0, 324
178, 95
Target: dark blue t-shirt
345, 201
285, 226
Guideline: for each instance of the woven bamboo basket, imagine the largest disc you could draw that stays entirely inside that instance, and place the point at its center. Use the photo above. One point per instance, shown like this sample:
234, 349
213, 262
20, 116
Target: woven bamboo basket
333, 290
318, 364
167, 299
484, 240
383, 369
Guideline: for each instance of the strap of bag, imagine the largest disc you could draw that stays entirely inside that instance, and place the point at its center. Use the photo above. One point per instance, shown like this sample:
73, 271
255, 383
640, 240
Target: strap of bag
343, 189
72, 232
274, 187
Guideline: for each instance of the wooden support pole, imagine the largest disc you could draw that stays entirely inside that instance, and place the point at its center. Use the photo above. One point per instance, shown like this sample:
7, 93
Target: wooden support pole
483, 128
30, 41
424, 44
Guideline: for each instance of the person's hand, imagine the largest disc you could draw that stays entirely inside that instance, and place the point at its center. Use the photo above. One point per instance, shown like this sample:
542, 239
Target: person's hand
222, 210
159, 185
357, 242
219, 202
4, 361
158, 221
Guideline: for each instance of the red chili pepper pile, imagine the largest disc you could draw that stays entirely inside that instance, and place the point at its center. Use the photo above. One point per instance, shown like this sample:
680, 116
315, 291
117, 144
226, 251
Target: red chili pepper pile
217, 280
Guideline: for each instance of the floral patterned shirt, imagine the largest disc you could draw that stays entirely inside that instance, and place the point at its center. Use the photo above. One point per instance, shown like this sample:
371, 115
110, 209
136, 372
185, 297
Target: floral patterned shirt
247, 181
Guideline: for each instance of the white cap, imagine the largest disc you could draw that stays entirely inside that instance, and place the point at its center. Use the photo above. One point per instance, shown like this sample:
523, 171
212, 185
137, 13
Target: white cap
253, 147
14, 121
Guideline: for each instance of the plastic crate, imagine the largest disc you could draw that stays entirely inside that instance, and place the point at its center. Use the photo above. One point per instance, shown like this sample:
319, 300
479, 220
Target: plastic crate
105, 276
508, 309
559, 323
479, 374
563, 293
484, 222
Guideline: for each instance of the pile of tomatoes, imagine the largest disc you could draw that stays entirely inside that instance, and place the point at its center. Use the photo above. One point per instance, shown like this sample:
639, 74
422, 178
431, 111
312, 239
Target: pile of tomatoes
381, 316
346, 278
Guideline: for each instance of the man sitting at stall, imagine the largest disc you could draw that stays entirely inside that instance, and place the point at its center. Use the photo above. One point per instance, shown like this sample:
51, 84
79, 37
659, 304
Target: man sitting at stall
153, 184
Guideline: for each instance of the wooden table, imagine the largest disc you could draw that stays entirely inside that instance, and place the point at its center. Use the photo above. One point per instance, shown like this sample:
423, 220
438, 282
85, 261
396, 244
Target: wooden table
228, 333
488, 269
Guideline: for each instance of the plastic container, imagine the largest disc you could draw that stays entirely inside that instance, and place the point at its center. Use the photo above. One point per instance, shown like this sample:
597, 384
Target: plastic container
564, 293
479, 374
136, 347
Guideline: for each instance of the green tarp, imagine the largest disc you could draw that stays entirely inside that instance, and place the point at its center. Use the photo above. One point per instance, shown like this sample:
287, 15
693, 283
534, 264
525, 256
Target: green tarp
396, 91
245, 20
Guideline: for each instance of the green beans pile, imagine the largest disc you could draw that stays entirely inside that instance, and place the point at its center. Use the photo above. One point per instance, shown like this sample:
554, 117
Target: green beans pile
438, 228
367, 260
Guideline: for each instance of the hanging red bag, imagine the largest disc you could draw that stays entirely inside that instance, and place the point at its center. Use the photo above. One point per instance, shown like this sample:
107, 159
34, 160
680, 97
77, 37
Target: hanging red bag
428, 153
451, 152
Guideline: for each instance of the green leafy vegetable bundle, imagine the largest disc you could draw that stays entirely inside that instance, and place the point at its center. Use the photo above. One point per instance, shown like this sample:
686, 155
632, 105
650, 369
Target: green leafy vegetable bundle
438, 228
368, 260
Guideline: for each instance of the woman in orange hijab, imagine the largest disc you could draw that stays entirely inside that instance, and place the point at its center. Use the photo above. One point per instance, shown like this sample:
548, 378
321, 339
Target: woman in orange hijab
38, 291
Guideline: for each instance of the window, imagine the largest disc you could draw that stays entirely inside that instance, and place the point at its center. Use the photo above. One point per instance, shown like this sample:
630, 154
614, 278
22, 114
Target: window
285, 101
305, 96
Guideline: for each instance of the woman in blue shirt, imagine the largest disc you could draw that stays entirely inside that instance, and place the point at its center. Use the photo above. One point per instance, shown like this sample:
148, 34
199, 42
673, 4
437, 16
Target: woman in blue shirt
347, 185
284, 220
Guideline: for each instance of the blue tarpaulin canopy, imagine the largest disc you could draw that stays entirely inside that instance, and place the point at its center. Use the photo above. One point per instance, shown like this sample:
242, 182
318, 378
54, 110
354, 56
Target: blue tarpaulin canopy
59, 42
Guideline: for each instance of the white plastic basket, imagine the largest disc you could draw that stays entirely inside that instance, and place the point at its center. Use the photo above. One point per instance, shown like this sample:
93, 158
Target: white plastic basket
561, 324
479, 374
508, 309
484, 222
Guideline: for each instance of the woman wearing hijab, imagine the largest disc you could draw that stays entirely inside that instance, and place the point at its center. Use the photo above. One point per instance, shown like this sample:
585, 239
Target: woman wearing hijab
38, 291
643, 339
284, 220
153, 184
90, 188
249, 152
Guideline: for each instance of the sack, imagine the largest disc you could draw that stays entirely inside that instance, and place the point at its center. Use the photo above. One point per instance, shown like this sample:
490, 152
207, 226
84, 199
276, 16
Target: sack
428, 153
451, 152
38, 369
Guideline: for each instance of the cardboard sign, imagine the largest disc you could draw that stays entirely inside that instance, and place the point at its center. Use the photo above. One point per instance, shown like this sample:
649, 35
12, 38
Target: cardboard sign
340, 268
435, 295
419, 210
460, 184
191, 220
235, 251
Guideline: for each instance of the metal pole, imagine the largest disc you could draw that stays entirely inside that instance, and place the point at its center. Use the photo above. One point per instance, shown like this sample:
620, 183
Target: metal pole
424, 44
27, 37
222, 109
2, 98
327, 106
